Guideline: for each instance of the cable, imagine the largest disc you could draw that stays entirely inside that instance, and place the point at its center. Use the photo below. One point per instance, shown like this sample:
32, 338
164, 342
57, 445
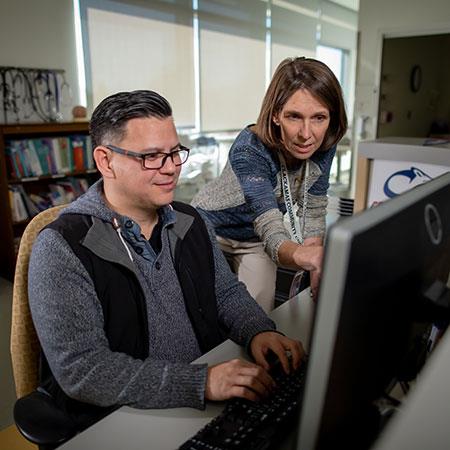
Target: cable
116, 226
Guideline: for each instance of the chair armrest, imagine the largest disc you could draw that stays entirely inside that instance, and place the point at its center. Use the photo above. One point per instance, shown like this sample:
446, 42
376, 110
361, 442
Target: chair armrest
39, 420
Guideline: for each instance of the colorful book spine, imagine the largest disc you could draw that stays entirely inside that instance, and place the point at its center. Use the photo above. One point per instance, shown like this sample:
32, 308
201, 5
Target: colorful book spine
78, 153
33, 158
89, 152
42, 152
21, 152
48, 142
49, 156
14, 164
22, 208
65, 154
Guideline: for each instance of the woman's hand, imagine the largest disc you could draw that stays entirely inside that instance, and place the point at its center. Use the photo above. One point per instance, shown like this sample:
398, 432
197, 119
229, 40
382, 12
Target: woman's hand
307, 257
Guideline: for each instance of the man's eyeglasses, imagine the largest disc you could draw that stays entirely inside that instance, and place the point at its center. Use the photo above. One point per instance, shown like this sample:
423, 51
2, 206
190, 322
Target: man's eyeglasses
155, 160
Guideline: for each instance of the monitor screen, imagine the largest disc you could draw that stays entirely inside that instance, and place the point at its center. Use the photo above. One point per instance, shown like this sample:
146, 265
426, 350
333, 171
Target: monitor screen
385, 272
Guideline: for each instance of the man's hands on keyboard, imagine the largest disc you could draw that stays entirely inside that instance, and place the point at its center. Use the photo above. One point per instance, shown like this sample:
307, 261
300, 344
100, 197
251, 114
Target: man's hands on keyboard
267, 346
248, 425
238, 378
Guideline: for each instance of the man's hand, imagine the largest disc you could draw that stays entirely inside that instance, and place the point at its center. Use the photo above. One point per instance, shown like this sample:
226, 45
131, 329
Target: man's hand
268, 341
238, 378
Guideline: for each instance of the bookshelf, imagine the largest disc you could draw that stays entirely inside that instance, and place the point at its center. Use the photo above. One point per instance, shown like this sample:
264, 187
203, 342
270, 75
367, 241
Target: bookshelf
32, 176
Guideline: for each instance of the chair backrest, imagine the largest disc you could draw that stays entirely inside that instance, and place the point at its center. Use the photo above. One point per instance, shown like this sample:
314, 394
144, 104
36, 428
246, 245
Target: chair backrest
25, 346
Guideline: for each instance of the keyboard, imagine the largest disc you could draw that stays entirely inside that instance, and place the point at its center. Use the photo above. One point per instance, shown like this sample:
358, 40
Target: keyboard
248, 425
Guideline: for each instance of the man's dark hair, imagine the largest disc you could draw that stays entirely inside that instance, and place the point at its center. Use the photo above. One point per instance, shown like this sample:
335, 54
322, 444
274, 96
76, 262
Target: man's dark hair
110, 117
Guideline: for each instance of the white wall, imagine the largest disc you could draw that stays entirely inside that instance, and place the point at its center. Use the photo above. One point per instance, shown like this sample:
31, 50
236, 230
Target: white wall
413, 112
39, 34
379, 18
393, 19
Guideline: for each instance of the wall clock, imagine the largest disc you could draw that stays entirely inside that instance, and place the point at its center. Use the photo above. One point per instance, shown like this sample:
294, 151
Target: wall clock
415, 78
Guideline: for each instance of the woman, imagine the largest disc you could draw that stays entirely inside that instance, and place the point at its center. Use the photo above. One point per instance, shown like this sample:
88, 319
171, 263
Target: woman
282, 160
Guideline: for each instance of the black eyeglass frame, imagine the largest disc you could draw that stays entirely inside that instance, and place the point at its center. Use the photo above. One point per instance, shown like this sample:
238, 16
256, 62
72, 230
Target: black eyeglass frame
143, 156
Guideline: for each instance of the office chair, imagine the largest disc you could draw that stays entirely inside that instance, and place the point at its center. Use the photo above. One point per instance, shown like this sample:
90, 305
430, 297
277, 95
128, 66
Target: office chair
36, 415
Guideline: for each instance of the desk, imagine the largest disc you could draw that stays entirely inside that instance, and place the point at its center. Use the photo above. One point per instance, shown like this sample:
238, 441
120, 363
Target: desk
166, 429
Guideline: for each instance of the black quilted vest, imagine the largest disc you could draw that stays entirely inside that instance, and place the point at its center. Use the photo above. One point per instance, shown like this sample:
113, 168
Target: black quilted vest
126, 326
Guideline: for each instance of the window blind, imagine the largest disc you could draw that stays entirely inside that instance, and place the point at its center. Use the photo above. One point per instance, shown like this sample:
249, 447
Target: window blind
136, 44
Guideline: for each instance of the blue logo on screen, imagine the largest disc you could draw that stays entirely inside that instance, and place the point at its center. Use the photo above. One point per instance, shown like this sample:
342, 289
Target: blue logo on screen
403, 180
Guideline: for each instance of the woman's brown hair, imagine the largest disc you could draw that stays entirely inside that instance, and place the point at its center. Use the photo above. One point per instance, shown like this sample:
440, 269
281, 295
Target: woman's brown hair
316, 77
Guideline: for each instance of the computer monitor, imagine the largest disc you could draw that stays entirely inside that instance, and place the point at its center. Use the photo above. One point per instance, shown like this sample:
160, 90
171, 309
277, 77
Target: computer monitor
385, 282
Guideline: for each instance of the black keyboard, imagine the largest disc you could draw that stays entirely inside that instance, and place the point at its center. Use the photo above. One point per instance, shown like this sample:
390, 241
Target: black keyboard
248, 425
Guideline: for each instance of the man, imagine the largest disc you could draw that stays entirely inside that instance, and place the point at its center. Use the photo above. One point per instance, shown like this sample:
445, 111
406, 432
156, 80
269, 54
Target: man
127, 287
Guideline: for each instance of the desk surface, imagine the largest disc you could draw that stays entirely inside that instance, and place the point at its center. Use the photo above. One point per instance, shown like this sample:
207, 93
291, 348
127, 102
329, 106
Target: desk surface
166, 429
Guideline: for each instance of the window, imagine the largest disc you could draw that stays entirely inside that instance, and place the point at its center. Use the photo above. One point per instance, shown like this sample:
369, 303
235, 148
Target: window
333, 58
211, 58
293, 29
232, 62
140, 45
219, 65
336, 59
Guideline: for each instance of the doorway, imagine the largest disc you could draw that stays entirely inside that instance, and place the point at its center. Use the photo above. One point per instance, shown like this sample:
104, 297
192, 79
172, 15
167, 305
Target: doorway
414, 89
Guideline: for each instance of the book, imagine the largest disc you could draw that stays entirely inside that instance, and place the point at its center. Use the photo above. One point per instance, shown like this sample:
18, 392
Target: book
42, 152
32, 157
60, 155
48, 142
18, 210
40, 201
65, 154
11, 162
21, 152
31, 208
78, 153
89, 152
83, 184
70, 192
17, 162
57, 194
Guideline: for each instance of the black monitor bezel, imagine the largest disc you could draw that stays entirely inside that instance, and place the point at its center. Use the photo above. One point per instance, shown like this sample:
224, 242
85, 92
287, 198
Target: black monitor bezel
329, 312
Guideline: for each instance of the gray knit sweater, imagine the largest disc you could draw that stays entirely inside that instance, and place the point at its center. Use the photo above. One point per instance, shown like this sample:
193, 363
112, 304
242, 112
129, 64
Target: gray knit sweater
69, 321
246, 202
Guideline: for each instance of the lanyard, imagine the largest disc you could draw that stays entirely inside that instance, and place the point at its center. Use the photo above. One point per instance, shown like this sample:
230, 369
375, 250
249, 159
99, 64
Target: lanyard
298, 235
296, 232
